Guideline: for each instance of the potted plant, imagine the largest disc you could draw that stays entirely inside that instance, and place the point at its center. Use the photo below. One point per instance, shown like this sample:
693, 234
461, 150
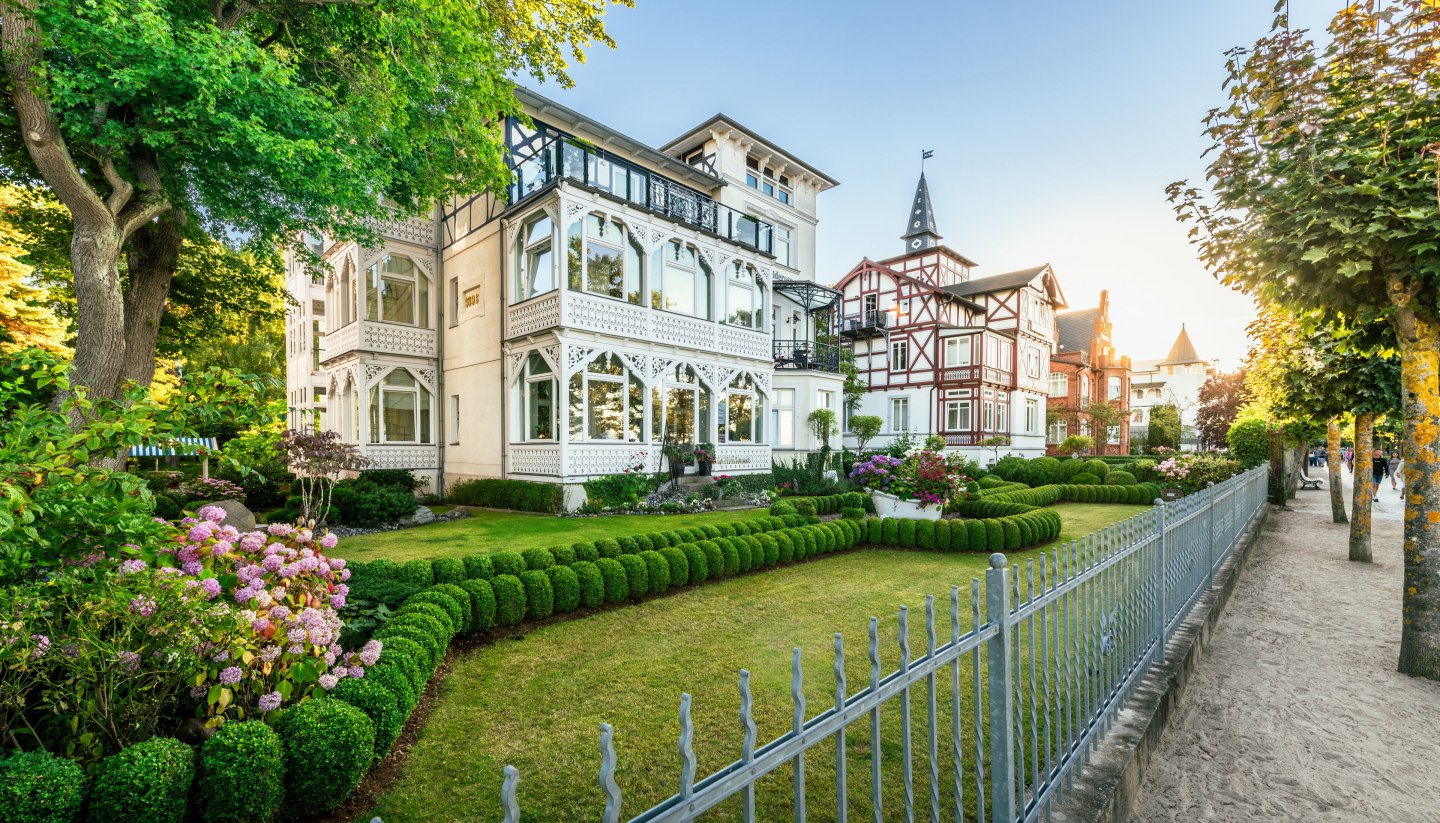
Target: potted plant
1174, 470
917, 486
705, 457
676, 459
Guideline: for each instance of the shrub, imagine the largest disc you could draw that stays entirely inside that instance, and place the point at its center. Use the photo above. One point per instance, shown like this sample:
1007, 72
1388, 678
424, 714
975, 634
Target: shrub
409, 657
872, 529
431, 610
695, 559
509, 599
327, 745
242, 774
1119, 478
629, 545
378, 703
539, 596
678, 571
394, 679
657, 571
853, 513
1009, 532
359, 502
770, 549
592, 584
419, 573
1070, 468
509, 563
419, 645
1249, 441
462, 597
566, 587
608, 548
617, 582
890, 532
804, 506
784, 547
942, 535
519, 495
478, 567
457, 608
586, 551
147, 782
735, 555
959, 536
907, 533
714, 558
37, 787
925, 535
1085, 479
482, 604
637, 577
438, 633
671, 539
978, 535
812, 546
563, 555
726, 530
994, 535
537, 559
781, 509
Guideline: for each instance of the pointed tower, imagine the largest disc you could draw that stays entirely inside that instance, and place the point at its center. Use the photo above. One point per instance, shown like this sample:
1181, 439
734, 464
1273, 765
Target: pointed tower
920, 231
1183, 352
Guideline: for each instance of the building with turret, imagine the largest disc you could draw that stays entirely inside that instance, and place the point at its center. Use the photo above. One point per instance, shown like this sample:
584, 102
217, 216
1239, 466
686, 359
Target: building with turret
1176, 380
1085, 370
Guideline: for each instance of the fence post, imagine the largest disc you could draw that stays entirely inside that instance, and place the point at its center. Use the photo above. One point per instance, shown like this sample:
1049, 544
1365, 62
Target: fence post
1214, 553
1002, 692
1160, 586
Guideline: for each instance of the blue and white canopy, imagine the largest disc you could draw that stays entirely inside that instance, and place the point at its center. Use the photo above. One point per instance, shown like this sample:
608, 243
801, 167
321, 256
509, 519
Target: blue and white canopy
168, 448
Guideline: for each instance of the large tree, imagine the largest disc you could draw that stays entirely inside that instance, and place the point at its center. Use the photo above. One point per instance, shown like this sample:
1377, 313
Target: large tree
1165, 427
1323, 195
1221, 397
150, 120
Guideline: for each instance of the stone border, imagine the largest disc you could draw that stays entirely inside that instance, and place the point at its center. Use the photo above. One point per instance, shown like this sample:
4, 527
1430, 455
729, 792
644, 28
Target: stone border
1107, 786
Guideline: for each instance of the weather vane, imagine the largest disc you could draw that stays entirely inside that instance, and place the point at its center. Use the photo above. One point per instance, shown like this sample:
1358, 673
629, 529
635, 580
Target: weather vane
925, 154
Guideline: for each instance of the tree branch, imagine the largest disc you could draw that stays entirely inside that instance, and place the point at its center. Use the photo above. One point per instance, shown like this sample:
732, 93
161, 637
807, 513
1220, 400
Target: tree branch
120, 188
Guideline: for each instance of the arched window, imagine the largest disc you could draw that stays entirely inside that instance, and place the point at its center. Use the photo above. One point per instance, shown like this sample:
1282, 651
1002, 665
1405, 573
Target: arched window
534, 258
743, 297
680, 408
606, 401
744, 411
400, 410
603, 259
397, 291
537, 399
683, 284
347, 295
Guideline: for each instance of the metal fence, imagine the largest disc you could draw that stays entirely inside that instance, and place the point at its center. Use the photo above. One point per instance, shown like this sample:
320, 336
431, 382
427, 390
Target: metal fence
1053, 650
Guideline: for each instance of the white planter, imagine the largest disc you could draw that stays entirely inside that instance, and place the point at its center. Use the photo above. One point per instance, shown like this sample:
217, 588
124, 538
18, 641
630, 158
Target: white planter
888, 505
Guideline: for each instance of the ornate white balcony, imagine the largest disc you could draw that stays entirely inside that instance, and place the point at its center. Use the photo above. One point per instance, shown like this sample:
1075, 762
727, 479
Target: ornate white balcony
401, 457
567, 309
417, 230
379, 338
576, 461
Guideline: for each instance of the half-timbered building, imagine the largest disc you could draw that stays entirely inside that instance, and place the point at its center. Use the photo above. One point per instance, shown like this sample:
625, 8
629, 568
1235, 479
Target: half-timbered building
945, 352
1084, 371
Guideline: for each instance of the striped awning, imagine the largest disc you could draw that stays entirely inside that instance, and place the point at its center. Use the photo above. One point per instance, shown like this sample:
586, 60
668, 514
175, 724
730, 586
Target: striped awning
187, 446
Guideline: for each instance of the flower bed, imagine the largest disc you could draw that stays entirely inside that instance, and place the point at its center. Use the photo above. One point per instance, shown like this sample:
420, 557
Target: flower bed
924, 477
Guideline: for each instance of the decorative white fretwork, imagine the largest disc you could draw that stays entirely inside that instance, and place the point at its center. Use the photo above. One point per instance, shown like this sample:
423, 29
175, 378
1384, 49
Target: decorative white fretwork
515, 357
389, 338
373, 372
762, 379
535, 315
427, 376
552, 356
572, 208
419, 231
575, 356
598, 314
649, 237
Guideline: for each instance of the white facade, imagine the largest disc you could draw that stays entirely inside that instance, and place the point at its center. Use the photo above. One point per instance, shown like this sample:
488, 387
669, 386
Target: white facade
1173, 380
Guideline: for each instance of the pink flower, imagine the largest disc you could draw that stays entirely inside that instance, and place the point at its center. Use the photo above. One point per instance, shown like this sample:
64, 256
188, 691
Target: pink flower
214, 514
269, 702
230, 675
328, 681
328, 542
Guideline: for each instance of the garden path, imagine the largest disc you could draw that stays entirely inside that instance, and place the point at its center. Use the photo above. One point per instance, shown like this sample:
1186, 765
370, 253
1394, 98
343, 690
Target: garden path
1296, 711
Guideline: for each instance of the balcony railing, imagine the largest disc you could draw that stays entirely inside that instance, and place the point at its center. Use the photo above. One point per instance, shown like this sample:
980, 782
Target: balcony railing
804, 354
985, 373
865, 322
562, 156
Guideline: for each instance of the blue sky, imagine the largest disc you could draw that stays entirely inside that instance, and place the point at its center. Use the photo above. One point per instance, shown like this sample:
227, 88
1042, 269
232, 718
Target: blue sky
1056, 127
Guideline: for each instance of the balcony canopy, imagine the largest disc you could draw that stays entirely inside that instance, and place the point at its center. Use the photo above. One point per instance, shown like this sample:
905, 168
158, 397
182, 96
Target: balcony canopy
812, 296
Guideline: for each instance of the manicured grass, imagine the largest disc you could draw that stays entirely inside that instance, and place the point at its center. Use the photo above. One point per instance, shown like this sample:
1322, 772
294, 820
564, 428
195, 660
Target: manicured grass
1080, 519
537, 702
490, 531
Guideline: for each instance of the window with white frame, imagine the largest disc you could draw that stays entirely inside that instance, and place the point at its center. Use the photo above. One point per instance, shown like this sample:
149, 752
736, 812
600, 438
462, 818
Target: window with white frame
957, 415
870, 308
987, 416
825, 399
899, 355
1084, 387
781, 247
684, 282
602, 258
347, 296
1112, 435
957, 352
899, 414
680, 408
537, 398
400, 410
1113, 388
764, 180
606, 402
534, 258
743, 297
1059, 384
1032, 364
745, 411
785, 418
1059, 430
397, 291
1032, 416
1002, 417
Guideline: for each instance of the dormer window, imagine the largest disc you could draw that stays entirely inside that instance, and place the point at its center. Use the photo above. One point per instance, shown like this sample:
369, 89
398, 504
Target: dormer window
767, 182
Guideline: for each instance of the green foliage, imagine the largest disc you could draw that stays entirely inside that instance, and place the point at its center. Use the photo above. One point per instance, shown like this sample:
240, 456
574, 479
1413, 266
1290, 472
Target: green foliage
507, 563
1165, 427
419, 573
457, 609
37, 787
699, 566
328, 745
1119, 478
907, 533
509, 599
608, 548
616, 577
478, 567
959, 536
925, 535
419, 645
241, 774
448, 569
563, 555
873, 530
378, 703
784, 547
853, 513
625, 489
1097, 467
714, 558
979, 536
1249, 441
804, 506
865, 427
942, 535
657, 571
592, 584
432, 610
517, 495
144, 783
586, 551
994, 534
782, 508
359, 502
1010, 533
566, 586
1085, 478
482, 603
537, 559
539, 595
393, 678
890, 531
463, 599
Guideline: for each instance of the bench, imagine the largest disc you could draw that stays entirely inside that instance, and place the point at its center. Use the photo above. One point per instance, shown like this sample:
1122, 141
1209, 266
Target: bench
1309, 482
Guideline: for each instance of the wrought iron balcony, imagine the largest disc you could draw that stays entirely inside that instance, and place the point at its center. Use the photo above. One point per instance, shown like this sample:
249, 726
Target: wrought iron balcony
804, 354
870, 322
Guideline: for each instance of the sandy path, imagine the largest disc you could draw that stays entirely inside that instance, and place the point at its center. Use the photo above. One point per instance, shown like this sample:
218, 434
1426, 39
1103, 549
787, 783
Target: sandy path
1297, 712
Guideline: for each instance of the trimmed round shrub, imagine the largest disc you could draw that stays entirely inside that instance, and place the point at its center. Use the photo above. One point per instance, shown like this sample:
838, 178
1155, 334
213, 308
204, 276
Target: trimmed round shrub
959, 536
657, 571
378, 703
804, 506
770, 548
148, 782
1085, 479
1027, 533
437, 631
1011, 533
448, 569
784, 547
979, 535
872, 530
328, 745
539, 595
537, 559
458, 609
482, 604
890, 532
925, 535
994, 535
671, 538
477, 567
1097, 467
726, 529
907, 533
564, 555
608, 548
942, 535
241, 774
781, 509
637, 578
853, 513
1070, 468
592, 584
730, 556
509, 599
617, 584
382, 569
38, 787
410, 655
507, 563
679, 571
741, 528
394, 679
710, 532
629, 545
566, 586
699, 568
714, 558
461, 596
812, 545
426, 652
742, 553
418, 573
757, 551
432, 610
1119, 478
824, 540
585, 550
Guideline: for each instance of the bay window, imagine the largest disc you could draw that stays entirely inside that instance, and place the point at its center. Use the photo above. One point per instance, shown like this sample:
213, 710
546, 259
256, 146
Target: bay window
680, 408
957, 415
603, 259
744, 411
743, 297
606, 401
684, 281
537, 399
534, 258
397, 291
399, 410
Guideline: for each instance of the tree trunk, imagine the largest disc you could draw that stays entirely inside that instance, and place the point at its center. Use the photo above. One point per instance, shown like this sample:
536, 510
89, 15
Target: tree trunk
1332, 465
151, 258
100, 309
1419, 339
1364, 491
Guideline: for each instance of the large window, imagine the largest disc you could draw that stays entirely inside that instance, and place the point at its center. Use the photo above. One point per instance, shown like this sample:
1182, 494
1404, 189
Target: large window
1058, 432
537, 411
987, 419
744, 411
684, 282
680, 408
347, 296
1084, 388
957, 415
534, 259
1113, 388
606, 401
1032, 416
899, 414
399, 410
396, 291
1032, 364
870, 308
782, 247
1002, 417
899, 355
957, 352
1059, 384
764, 180
785, 418
602, 259
743, 300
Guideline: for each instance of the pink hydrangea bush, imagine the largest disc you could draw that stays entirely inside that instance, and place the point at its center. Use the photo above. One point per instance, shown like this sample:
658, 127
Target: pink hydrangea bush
288, 592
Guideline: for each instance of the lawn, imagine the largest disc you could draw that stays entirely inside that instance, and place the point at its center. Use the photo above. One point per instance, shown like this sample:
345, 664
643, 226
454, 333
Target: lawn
537, 702
491, 531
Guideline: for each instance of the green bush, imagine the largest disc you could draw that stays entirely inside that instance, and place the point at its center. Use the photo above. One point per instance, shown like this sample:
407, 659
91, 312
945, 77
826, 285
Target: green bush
418, 645
148, 782
1010, 533
608, 548
942, 535
994, 535
1070, 468
1249, 441
890, 532
457, 608
463, 598
378, 703
803, 506
509, 599
241, 774
959, 536
925, 535
409, 657
637, 577
695, 560
617, 582
1097, 467
478, 567
978, 535
784, 547
731, 555
657, 571
592, 584
566, 586
358, 502
507, 563
630, 545
537, 559
907, 533
678, 572
432, 627
539, 596
563, 555
770, 549
873, 531
482, 604
780, 509
1085, 479
328, 745
431, 610
395, 681
812, 545
714, 558
518, 495
37, 787
448, 569
419, 573
586, 551
1119, 478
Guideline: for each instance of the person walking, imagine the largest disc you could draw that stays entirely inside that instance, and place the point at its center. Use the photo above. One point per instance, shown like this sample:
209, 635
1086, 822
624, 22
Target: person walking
1379, 467
1396, 477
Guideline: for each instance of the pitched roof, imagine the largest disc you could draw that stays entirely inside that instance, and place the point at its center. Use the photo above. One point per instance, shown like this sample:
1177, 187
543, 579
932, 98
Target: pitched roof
720, 121
1075, 329
920, 224
997, 282
1183, 351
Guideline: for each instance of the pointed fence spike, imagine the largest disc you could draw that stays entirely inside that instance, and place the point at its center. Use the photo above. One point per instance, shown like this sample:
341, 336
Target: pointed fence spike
904, 638
507, 795
747, 746
687, 749
929, 624
874, 653
607, 775
954, 614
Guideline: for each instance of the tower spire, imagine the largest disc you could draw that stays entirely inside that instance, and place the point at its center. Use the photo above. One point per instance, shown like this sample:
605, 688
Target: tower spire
920, 231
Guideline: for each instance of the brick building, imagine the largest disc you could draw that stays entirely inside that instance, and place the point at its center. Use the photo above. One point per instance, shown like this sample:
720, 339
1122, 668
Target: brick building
1083, 370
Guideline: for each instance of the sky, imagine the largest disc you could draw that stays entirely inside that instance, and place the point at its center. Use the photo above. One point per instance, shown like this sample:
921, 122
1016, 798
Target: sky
1055, 125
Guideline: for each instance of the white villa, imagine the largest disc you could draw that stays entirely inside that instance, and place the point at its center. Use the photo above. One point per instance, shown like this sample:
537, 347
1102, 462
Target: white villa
1176, 379
616, 297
